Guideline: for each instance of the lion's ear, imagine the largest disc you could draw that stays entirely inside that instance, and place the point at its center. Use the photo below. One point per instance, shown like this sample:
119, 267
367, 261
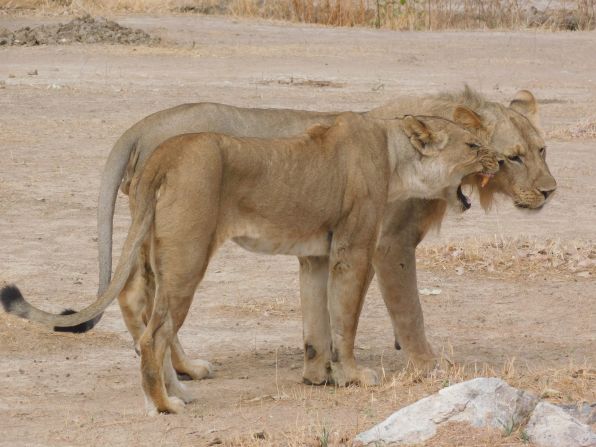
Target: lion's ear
467, 118
524, 102
425, 141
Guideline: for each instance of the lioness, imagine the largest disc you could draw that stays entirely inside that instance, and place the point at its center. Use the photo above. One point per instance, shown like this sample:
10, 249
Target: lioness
524, 177
321, 194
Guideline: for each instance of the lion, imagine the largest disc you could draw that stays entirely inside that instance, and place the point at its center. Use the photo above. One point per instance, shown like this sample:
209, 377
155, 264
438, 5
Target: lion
510, 130
320, 194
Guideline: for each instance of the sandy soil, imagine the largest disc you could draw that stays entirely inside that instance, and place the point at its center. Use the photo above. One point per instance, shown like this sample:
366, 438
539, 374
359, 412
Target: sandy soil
536, 329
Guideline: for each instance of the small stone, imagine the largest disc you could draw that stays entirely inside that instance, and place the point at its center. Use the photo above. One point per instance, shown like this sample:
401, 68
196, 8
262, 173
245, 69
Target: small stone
430, 291
32, 72
459, 271
11, 75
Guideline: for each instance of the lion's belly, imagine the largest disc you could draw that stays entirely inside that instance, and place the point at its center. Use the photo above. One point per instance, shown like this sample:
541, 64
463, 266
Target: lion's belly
317, 245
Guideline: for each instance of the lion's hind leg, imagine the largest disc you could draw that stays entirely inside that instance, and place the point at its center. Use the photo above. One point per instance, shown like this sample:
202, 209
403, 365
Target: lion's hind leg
136, 298
136, 303
182, 241
175, 286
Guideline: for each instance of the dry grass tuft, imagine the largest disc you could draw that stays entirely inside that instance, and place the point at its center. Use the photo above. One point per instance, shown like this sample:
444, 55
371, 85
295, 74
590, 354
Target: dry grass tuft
301, 82
513, 257
571, 384
584, 129
393, 14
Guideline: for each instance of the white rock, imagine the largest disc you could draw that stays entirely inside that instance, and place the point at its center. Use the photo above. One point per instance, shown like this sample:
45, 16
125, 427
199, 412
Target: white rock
429, 291
480, 402
551, 426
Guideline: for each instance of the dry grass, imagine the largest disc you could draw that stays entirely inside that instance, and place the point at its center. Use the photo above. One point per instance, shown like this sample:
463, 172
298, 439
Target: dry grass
393, 14
584, 129
573, 384
301, 82
513, 257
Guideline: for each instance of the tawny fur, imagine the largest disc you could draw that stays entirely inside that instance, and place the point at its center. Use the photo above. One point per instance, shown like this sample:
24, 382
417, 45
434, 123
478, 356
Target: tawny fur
322, 194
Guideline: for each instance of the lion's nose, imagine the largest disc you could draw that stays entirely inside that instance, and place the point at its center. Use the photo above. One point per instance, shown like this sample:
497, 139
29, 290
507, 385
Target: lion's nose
547, 193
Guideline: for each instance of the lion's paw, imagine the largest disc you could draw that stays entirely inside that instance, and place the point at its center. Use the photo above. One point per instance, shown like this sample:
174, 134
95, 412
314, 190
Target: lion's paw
180, 391
317, 373
196, 370
173, 405
423, 364
359, 376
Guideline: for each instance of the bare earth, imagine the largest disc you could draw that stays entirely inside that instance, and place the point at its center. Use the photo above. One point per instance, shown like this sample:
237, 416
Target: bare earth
525, 316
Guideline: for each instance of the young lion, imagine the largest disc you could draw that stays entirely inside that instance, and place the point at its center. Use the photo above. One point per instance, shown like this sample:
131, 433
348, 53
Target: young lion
321, 194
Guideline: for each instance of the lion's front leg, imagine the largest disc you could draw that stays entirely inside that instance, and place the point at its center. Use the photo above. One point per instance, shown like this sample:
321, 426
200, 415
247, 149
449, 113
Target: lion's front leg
404, 226
314, 271
395, 266
349, 275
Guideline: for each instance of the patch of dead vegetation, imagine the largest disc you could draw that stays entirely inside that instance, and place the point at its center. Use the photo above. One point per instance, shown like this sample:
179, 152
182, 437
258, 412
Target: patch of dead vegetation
301, 82
513, 257
85, 29
394, 14
584, 129
461, 434
571, 385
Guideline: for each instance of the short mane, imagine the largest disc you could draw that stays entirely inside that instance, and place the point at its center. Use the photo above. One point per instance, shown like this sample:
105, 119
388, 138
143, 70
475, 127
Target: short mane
467, 97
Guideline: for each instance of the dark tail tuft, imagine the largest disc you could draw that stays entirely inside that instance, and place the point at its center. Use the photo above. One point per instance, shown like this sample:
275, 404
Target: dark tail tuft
11, 298
79, 328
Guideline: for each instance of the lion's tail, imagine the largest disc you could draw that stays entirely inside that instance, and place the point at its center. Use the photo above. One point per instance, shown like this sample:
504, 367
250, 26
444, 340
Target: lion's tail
112, 176
14, 303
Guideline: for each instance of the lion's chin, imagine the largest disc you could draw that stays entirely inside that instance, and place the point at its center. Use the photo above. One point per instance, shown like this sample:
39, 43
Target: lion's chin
531, 202
528, 207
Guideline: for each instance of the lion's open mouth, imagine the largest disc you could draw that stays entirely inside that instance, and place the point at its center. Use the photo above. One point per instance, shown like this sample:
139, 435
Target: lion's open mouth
464, 200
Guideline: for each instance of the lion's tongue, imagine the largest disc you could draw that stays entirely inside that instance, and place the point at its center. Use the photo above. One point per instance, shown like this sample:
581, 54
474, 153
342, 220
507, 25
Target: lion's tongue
485, 179
465, 201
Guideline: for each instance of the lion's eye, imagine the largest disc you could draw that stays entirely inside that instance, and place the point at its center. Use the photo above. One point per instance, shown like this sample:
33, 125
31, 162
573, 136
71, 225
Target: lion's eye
473, 145
542, 151
515, 158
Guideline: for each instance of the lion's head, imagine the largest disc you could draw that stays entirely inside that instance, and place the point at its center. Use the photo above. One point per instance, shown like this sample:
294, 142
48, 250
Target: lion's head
449, 153
512, 131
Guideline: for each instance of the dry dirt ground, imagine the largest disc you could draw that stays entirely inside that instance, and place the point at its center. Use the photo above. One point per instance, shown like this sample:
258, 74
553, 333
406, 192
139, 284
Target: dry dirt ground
518, 291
